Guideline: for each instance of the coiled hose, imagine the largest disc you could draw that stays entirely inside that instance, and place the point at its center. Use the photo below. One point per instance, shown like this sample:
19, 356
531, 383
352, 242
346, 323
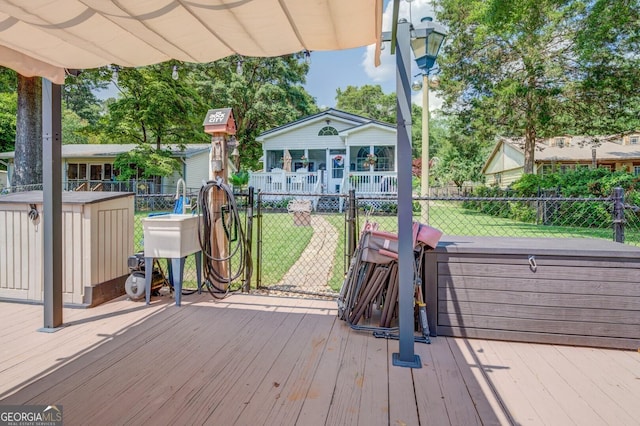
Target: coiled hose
238, 258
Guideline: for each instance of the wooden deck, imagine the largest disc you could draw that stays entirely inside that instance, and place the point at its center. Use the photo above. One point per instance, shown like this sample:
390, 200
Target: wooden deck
252, 360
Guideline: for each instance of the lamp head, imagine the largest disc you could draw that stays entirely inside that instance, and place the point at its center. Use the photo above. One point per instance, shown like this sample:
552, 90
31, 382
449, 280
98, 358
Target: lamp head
416, 86
427, 44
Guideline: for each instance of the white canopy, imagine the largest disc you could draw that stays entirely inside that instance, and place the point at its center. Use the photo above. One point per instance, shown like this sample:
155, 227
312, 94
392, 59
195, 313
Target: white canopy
43, 37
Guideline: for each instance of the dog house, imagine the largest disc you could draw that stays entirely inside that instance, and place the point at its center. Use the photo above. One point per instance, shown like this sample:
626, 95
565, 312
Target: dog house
97, 238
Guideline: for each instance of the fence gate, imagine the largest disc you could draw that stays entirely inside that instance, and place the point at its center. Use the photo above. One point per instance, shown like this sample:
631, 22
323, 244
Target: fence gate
301, 243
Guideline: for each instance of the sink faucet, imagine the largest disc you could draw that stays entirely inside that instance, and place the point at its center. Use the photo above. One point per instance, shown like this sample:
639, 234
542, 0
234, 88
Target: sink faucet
184, 194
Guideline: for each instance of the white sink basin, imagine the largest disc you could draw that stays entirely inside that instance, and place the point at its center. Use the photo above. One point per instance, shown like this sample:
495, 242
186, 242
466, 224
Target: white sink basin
170, 235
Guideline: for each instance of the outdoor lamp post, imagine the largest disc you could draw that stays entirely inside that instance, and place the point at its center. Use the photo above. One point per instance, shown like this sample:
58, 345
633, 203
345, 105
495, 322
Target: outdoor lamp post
425, 43
402, 36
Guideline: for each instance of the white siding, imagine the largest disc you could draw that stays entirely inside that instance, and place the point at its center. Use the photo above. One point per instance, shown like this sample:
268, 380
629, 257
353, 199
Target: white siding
307, 137
506, 158
372, 136
512, 158
197, 170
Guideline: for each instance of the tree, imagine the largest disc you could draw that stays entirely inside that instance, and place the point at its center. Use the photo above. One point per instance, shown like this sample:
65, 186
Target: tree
460, 155
154, 108
607, 44
78, 94
508, 67
145, 162
266, 93
8, 108
28, 147
368, 101
74, 128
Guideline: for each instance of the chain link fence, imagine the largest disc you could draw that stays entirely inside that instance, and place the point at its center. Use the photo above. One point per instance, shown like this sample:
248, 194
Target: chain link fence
288, 260
301, 243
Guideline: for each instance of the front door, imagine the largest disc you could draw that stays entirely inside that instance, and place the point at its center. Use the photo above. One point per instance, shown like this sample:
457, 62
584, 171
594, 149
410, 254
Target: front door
335, 170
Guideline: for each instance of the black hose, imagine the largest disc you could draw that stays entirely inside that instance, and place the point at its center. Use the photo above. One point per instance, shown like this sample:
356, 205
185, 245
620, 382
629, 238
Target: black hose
239, 255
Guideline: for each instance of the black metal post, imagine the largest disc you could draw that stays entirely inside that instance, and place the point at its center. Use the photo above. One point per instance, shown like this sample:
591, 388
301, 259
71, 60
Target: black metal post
259, 243
406, 357
52, 204
351, 226
249, 241
618, 215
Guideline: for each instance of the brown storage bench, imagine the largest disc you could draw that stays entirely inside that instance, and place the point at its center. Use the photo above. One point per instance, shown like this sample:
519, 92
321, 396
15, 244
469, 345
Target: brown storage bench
583, 292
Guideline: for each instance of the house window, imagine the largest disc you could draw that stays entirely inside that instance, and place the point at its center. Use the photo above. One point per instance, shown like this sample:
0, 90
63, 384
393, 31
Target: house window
633, 140
385, 158
636, 170
108, 171
604, 166
275, 159
547, 169
328, 131
76, 171
361, 157
497, 178
564, 168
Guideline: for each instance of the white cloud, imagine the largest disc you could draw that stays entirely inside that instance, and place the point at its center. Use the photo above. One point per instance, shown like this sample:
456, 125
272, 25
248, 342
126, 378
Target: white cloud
386, 72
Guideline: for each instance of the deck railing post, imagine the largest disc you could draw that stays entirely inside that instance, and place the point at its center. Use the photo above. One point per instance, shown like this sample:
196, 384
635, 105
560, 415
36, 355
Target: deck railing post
618, 215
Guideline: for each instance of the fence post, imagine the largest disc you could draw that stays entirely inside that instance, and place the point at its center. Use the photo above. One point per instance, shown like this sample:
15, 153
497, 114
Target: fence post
618, 215
351, 226
248, 267
259, 243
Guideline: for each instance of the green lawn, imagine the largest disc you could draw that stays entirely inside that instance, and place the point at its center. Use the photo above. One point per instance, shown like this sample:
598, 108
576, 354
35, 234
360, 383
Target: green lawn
282, 242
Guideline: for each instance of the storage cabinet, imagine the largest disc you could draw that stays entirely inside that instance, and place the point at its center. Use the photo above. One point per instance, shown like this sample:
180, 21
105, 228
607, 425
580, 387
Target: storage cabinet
565, 291
97, 239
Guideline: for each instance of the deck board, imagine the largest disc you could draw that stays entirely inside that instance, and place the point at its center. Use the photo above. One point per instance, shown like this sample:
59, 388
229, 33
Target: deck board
488, 406
266, 360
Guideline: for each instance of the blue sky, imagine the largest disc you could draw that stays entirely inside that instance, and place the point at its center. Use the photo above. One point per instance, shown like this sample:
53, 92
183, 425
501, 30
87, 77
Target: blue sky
354, 67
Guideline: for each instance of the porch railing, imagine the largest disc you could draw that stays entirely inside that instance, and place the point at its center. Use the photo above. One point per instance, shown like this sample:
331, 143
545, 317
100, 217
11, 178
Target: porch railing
286, 182
371, 183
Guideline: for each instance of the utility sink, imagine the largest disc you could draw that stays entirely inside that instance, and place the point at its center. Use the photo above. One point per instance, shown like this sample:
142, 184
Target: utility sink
171, 235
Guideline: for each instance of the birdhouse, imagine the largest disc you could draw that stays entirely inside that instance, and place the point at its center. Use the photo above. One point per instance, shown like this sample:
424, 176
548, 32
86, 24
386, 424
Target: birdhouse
220, 121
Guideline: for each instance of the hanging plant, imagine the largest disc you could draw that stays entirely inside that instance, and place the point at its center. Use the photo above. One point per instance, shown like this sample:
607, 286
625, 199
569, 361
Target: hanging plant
371, 159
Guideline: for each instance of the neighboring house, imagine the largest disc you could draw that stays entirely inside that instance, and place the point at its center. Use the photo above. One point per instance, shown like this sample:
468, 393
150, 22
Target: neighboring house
93, 164
505, 164
329, 152
3, 179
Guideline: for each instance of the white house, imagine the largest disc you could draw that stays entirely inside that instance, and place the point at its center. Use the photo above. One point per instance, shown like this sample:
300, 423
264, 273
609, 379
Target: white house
92, 165
329, 152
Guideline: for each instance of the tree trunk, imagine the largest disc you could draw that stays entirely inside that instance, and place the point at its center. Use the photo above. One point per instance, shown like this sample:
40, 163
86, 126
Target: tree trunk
28, 153
529, 150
